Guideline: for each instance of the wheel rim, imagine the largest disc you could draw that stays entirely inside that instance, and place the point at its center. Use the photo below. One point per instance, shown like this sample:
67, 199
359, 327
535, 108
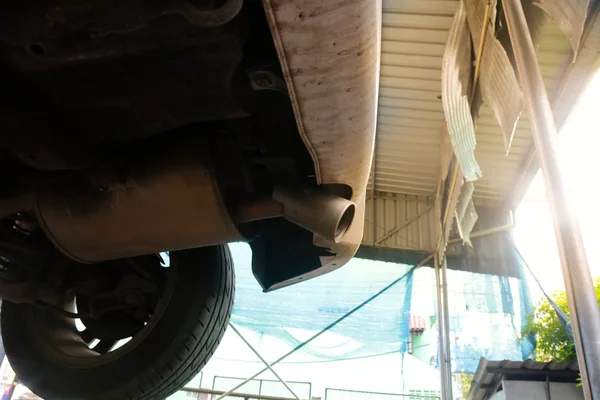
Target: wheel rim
73, 344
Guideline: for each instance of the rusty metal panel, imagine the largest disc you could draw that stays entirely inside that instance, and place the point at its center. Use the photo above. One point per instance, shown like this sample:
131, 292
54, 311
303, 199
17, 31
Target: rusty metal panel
464, 199
456, 74
498, 81
402, 222
466, 215
570, 15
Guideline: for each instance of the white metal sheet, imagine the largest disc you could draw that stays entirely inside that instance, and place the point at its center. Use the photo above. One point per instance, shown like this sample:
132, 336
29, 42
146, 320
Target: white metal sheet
456, 75
498, 81
570, 16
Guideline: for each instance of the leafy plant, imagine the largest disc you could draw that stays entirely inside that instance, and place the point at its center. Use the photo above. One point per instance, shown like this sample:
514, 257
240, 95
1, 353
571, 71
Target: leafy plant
466, 380
552, 340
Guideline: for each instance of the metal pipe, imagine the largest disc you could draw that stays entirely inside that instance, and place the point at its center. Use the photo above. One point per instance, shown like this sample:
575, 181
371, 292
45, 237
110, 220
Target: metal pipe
257, 354
257, 210
325, 214
486, 22
242, 395
441, 330
446, 316
373, 199
530, 164
584, 310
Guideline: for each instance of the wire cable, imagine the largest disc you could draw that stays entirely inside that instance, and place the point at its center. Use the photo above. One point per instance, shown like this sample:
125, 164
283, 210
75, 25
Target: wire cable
328, 327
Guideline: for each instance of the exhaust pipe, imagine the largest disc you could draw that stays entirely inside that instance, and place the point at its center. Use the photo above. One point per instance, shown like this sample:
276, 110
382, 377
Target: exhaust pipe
325, 214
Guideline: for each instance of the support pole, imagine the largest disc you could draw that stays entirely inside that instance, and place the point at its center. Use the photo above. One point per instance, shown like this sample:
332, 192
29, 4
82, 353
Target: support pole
448, 358
581, 297
443, 329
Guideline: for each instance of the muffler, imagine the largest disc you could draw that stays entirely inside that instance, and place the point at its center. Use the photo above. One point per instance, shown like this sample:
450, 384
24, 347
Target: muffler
161, 199
164, 199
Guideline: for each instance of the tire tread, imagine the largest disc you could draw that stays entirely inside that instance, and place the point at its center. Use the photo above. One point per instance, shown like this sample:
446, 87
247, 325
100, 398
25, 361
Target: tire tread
188, 351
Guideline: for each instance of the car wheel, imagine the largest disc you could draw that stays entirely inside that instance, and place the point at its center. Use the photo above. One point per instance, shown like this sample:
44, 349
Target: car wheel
57, 359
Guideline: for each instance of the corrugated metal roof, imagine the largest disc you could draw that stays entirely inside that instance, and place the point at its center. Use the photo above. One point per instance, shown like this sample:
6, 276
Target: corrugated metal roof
401, 222
489, 374
410, 117
498, 81
410, 124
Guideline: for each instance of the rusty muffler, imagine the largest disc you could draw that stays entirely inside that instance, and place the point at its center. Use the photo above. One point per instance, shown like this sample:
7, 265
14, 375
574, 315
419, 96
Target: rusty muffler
162, 200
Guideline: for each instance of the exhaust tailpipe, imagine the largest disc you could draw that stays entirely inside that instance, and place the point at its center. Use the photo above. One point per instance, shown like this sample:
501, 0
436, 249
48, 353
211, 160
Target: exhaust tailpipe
327, 215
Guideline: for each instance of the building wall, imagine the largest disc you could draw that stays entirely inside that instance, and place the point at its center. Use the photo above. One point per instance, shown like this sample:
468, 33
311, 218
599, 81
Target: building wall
517, 390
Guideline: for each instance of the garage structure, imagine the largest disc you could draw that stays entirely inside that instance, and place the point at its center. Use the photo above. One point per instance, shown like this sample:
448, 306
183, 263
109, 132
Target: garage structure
417, 188
412, 152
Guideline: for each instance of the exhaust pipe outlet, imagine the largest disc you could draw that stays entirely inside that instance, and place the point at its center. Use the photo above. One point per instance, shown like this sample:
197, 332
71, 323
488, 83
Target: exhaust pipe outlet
327, 215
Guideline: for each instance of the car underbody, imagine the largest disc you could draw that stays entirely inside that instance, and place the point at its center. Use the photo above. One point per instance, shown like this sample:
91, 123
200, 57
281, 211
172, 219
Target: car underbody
133, 131
96, 97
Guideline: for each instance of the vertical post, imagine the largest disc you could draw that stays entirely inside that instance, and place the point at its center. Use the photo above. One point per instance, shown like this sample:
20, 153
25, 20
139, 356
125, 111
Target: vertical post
442, 331
11, 390
581, 297
448, 365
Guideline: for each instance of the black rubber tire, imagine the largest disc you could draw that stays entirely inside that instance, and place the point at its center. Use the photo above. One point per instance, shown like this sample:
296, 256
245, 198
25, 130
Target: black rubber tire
173, 352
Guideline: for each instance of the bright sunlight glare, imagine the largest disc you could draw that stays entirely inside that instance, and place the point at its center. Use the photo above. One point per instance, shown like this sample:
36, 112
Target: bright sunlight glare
580, 152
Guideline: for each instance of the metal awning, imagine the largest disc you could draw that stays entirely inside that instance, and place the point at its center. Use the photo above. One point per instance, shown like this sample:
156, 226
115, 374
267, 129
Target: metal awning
406, 189
490, 374
410, 115
411, 151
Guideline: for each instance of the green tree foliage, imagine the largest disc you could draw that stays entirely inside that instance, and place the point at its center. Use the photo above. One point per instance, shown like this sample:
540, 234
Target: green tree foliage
552, 340
466, 380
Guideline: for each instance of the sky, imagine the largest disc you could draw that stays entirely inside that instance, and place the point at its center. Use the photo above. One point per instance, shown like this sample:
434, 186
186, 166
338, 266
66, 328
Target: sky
580, 159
